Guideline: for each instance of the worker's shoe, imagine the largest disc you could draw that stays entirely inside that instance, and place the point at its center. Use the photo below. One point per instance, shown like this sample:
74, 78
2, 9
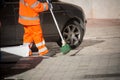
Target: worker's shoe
49, 54
44, 56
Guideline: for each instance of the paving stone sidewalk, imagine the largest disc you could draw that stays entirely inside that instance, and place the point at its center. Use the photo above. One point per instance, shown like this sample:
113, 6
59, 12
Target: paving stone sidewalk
97, 58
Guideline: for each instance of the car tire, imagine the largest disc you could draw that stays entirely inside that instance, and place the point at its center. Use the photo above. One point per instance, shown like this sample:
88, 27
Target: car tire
73, 34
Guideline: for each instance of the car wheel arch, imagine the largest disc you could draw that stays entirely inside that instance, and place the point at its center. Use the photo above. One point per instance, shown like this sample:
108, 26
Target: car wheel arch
79, 20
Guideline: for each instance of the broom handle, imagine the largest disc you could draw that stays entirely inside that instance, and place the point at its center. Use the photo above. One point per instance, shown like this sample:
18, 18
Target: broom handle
63, 42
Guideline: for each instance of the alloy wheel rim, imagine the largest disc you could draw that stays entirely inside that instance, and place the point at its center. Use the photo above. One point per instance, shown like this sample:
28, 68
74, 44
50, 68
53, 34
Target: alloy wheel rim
71, 34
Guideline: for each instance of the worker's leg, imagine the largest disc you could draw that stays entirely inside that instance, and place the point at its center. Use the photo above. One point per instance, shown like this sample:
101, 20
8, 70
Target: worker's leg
39, 40
27, 38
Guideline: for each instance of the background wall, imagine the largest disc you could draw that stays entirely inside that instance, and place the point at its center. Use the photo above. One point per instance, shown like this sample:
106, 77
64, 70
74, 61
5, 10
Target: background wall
99, 9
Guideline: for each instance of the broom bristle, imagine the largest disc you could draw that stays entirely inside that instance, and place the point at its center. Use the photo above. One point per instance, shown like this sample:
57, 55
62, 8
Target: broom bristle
65, 49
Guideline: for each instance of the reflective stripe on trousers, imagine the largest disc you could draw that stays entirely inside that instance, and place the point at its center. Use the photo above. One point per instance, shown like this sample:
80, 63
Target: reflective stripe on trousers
42, 50
41, 47
40, 44
28, 44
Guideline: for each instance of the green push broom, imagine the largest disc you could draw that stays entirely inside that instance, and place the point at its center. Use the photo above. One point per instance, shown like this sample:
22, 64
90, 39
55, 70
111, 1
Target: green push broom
65, 47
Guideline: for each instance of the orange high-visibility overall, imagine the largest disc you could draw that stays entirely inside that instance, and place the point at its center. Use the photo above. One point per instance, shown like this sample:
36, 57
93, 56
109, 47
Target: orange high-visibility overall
29, 17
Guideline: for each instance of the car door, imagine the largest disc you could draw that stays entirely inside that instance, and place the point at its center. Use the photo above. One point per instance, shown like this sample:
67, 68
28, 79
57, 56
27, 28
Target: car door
19, 27
8, 28
47, 22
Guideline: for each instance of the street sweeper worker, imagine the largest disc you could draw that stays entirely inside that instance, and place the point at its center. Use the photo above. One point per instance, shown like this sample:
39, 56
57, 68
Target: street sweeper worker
29, 17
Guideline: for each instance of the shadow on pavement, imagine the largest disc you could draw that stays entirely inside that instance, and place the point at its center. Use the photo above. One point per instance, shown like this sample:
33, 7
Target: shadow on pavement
12, 64
87, 43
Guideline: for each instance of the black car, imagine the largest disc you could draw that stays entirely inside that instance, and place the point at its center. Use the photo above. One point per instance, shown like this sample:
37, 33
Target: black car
71, 20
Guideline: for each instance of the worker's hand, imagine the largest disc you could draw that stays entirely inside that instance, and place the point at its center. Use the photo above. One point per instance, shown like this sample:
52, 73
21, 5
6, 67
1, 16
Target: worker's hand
50, 6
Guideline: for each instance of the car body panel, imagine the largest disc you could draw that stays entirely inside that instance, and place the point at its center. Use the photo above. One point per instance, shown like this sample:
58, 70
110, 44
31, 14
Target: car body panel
11, 31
